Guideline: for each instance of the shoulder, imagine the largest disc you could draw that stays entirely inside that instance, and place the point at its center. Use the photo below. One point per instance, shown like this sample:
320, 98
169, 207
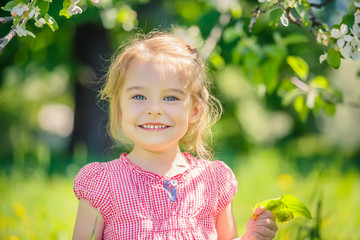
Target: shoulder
212, 165
95, 173
218, 170
99, 167
220, 166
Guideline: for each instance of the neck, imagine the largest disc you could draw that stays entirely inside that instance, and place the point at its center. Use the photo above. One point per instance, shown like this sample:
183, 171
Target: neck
163, 163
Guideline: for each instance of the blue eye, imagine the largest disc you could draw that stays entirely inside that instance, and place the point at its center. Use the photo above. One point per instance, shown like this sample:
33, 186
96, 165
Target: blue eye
139, 97
171, 98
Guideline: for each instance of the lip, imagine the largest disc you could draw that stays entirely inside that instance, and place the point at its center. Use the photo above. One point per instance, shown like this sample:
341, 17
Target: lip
153, 126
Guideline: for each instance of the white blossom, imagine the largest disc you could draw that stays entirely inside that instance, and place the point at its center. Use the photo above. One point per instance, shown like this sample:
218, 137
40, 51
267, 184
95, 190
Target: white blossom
74, 9
19, 10
322, 37
340, 35
284, 20
352, 49
21, 31
357, 4
323, 57
40, 22
356, 28
292, 3
34, 12
357, 17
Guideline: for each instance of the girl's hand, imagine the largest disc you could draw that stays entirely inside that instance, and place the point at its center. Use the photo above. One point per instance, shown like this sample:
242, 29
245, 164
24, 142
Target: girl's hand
261, 226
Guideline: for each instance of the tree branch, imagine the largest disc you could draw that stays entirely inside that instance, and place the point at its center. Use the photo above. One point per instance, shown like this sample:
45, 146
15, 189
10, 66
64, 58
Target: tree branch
5, 40
215, 36
293, 19
4, 20
320, 5
300, 84
315, 20
353, 104
254, 15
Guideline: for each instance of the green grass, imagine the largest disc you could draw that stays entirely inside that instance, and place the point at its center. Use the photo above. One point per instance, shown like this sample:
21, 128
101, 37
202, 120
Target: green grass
36, 207
42, 207
332, 196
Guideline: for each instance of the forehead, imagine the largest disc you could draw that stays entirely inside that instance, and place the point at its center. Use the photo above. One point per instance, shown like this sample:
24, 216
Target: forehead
153, 73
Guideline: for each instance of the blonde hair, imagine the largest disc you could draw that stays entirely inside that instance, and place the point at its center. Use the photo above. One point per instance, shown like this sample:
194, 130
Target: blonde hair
166, 48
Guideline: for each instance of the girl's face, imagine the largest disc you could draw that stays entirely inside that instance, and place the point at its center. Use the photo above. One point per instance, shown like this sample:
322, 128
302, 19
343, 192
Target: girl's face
156, 108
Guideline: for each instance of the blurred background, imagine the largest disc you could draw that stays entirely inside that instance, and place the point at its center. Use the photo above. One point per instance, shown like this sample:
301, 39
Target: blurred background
52, 122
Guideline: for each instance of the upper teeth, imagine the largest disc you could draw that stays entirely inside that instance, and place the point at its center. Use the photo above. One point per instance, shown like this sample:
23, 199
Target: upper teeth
153, 126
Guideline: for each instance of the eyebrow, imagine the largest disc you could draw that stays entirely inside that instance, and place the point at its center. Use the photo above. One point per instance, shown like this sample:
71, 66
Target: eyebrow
129, 89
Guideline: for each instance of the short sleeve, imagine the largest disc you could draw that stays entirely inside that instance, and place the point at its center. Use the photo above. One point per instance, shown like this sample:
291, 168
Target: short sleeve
226, 183
91, 184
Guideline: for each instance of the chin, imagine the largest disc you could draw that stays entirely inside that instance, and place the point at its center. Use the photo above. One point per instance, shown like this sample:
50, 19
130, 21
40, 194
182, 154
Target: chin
159, 147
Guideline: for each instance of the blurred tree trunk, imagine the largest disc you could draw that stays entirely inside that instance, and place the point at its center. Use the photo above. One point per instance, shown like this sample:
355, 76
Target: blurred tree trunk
91, 48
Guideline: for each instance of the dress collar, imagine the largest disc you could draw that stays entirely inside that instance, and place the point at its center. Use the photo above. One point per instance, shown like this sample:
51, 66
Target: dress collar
180, 177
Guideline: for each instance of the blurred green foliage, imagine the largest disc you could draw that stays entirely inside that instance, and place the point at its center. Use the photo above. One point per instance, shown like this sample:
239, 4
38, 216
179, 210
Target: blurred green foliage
278, 135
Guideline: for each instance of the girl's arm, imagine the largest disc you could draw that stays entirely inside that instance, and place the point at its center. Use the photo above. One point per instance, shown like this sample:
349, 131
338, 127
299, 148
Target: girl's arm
85, 222
225, 224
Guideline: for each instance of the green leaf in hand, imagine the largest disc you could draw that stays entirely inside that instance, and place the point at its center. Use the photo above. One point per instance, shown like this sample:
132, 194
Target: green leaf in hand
285, 208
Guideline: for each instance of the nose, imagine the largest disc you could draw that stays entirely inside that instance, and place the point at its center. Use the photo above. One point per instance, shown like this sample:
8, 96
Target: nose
154, 108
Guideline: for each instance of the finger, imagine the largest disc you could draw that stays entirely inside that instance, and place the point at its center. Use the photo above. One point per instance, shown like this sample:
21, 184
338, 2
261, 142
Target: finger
257, 236
266, 215
257, 211
265, 232
268, 223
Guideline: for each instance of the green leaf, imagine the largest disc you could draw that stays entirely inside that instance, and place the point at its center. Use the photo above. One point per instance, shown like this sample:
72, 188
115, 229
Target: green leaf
236, 11
275, 52
299, 104
285, 208
333, 58
270, 73
10, 5
50, 21
348, 20
295, 38
297, 207
318, 104
306, 4
329, 108
290, 96
217, 61
44, 7
251, 62
231, 34
300, 67
319, 82
300, 107
303, 13
275, 16
63, 11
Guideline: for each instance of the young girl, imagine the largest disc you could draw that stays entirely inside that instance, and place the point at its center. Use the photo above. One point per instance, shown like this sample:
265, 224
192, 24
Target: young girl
159, 101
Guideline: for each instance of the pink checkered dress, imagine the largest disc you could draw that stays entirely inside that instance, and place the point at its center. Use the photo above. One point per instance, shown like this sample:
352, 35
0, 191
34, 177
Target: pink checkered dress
137, 204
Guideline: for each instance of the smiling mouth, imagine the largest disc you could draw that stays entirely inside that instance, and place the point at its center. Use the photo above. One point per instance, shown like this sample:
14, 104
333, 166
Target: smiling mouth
154, 127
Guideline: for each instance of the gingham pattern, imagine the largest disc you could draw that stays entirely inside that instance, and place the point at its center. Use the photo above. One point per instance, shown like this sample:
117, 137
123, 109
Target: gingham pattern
135, 205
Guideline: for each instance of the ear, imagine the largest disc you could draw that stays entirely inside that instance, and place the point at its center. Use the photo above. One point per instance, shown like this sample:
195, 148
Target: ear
195, 114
